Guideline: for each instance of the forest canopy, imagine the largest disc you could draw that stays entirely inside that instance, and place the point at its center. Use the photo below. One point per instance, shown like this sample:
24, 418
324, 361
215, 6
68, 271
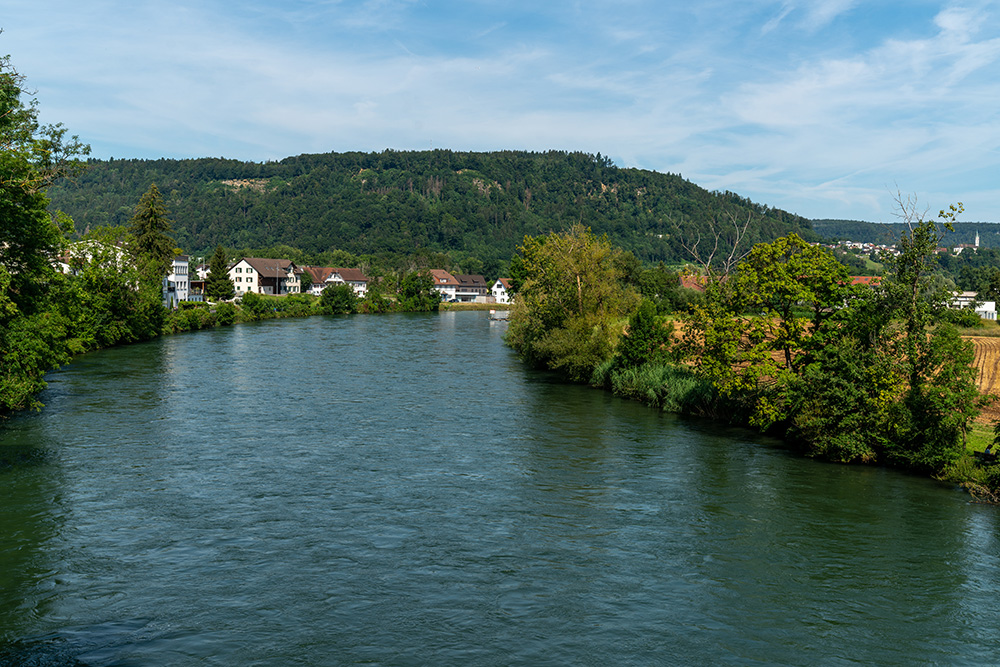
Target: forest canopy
477, 207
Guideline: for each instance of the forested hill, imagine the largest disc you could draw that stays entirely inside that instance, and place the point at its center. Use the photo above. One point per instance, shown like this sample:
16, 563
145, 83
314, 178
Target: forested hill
472, 205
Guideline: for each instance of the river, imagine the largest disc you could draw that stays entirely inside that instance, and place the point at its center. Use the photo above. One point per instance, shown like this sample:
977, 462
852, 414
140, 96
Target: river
400, 490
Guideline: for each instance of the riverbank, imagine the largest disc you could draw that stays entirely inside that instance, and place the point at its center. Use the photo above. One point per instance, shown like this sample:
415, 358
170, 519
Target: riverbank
25, 381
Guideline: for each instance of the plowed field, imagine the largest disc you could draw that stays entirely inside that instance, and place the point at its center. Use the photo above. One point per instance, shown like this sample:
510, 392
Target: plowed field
987, 362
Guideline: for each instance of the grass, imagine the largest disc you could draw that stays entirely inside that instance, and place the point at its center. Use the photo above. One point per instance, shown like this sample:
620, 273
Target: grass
978, 437
989, 328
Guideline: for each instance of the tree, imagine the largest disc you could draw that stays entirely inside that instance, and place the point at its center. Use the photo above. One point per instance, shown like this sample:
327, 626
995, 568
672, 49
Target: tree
755, 313
338, 299
647, 339
776, 279
941, 398
31, 158
416, 292
218, 284
890, 379
33, 339
567, 316
150, 231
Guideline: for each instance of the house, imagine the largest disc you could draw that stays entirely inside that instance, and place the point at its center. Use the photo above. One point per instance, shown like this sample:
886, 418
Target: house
445, 283
460, 287
84, 252
472, 287
987, 310
866, 280
176, 284
501, 290
265, 276
353, 277
197, 283
695, 282
324, 276
318, 274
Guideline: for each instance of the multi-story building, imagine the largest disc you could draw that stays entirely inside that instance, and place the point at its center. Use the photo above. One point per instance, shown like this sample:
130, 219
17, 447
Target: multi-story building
265, 276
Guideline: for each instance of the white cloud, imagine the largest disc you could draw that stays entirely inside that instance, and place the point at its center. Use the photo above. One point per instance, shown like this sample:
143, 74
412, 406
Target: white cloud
768, 99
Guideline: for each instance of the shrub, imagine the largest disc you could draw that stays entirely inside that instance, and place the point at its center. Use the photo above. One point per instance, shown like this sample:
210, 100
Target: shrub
225, 314
338, 300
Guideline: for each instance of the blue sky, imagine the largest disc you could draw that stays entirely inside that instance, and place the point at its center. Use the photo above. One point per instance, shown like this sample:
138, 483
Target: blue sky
822, 108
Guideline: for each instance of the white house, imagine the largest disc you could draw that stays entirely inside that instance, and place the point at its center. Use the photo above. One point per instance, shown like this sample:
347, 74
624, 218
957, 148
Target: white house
353, 277
501, 290
462, 288
265, 276
176, 285
324, 276
445, 283
985, 309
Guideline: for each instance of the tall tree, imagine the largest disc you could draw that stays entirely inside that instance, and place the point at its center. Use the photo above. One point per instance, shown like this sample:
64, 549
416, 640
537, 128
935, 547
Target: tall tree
32, 341
150, 230
218, 285
941, 397
31, 158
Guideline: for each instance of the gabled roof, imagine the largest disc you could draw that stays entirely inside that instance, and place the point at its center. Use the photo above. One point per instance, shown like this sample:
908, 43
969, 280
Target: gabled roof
694, 282
443, 279
351, 275
505, 282
471, 280
319, 274
270, 268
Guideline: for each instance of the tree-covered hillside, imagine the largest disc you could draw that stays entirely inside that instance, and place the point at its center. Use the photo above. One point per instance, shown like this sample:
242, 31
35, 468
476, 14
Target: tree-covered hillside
478, 205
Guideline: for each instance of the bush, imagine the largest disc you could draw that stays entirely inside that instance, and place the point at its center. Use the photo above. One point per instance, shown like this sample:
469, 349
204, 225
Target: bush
225, 314
664, 386
253, 306
338, 300
963, 317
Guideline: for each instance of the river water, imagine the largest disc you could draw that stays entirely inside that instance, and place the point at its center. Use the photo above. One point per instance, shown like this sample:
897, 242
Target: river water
400, 490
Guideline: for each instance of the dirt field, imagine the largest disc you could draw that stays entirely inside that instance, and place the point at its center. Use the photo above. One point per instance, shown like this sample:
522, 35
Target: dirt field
987, 362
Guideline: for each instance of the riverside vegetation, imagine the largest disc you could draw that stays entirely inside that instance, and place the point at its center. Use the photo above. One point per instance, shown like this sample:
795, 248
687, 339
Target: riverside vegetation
781, 341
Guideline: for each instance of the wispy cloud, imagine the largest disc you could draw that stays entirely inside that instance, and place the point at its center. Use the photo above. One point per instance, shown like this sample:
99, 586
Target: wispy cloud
810, 106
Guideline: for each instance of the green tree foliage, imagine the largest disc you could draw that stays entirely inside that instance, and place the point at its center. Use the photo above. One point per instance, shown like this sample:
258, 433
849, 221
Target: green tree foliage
569, 311
31, 158
218, 284
754, 331
150, 230
889, 379
338, 300
254, 306
475, 206
305, 282
225, 313
647, 340
778, 279
375, 300
417, 293
33, 338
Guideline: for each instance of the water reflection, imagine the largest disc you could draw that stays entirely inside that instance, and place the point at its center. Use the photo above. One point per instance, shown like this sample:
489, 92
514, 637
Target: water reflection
401, 490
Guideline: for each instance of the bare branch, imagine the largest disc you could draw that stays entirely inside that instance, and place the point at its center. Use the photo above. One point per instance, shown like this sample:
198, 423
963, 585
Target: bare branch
712, 267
